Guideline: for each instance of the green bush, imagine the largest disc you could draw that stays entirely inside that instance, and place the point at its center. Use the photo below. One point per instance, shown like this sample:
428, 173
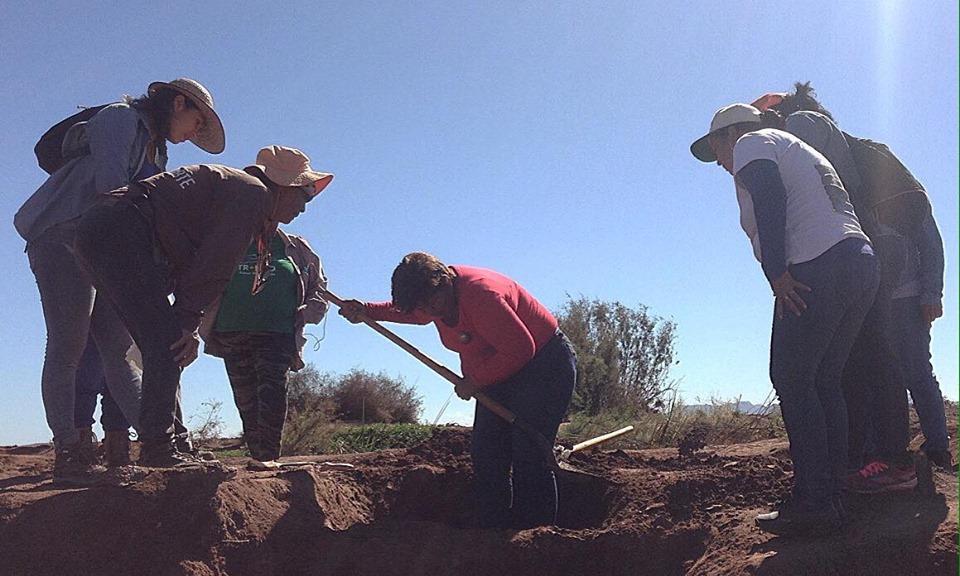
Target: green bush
624, 356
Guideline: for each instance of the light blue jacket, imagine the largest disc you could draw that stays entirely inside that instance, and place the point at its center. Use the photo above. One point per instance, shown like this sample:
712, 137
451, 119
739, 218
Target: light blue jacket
111, 148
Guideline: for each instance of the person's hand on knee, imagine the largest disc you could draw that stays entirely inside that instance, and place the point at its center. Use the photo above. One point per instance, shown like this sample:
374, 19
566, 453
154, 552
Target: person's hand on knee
185, 349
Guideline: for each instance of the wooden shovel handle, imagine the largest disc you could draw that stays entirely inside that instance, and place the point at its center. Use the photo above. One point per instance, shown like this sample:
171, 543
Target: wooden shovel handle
600, 439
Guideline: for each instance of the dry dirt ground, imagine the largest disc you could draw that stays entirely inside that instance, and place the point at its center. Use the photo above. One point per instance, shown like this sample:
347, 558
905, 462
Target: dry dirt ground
405, 512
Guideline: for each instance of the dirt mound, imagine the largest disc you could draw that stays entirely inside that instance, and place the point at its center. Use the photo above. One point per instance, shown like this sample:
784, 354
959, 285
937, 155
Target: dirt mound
406, 512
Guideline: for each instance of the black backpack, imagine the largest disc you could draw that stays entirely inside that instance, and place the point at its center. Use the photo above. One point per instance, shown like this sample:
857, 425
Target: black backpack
49, 149
888, 191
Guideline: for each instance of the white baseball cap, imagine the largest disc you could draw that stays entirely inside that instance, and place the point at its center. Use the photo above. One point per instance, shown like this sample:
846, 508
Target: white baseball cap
726, 116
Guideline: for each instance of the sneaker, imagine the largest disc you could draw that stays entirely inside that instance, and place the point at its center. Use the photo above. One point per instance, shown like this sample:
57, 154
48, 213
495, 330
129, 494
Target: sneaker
796, 519
71, 469
877, 477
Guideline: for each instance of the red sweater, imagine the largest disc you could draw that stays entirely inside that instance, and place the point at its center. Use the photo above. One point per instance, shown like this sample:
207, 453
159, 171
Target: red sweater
501, 325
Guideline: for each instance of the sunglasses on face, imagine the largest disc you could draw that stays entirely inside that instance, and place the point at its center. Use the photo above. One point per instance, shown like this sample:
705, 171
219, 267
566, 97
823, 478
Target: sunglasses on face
308, 192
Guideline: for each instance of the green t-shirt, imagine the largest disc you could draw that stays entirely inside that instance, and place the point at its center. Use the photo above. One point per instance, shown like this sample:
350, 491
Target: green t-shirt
273, 308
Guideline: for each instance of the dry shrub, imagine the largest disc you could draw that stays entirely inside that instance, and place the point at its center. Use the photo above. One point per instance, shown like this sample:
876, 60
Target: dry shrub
206, 426
308, 429
721, 422
318, 402
360, 396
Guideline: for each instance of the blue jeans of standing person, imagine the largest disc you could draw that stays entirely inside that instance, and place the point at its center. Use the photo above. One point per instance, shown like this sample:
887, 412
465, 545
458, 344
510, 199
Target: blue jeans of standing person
911, 335
539, 394
115, 242
807, 356
74, 311
873, 381
90, 384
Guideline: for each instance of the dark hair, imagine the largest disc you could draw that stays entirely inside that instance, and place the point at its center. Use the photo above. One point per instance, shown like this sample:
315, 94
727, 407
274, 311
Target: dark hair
259, 174
418, 276
771, 118
803, 97
158, 108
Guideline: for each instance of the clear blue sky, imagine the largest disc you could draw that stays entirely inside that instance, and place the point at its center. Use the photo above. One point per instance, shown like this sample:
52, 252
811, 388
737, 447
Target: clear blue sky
546, 140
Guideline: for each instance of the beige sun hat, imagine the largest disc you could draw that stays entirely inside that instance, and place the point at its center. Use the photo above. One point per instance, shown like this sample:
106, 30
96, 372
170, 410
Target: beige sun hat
726, 116
290, 167
210, 137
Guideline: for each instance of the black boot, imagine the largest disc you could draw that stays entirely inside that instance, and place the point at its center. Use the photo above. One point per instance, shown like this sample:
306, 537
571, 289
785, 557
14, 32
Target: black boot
793, 518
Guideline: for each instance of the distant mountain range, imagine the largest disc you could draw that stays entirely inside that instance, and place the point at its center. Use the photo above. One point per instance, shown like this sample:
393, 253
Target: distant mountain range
744, 406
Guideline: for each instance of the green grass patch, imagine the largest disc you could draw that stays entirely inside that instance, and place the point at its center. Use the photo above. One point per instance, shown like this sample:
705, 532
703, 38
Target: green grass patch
371, 437
232, 453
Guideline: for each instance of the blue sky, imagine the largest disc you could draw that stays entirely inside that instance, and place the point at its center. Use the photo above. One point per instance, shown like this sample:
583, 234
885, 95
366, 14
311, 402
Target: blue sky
546, 140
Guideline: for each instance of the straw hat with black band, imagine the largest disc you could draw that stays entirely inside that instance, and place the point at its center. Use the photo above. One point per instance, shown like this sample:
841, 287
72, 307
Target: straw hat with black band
289, 167
210, 137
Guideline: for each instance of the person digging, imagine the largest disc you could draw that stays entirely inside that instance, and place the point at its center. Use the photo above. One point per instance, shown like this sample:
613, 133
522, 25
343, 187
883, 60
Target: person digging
512, 349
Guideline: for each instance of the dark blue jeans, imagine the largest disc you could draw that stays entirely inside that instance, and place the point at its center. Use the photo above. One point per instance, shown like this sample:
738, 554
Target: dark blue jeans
807, 356
115, 245
873, 380
539, 394
91, 382
911, 336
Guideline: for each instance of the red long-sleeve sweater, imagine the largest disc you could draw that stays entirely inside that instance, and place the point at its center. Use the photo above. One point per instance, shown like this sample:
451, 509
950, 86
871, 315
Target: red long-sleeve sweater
501, 326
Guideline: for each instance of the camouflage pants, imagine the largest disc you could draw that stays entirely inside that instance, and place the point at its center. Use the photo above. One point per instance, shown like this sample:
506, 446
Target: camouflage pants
257, 365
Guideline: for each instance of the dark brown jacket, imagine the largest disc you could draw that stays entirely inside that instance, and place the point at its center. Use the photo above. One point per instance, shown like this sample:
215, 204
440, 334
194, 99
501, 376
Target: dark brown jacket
204, 217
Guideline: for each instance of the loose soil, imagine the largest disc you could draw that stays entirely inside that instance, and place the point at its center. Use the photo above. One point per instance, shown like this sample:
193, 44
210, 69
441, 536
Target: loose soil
406, 512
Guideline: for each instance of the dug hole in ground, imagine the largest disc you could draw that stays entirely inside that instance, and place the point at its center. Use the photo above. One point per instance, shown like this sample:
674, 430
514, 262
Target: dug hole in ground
404, 512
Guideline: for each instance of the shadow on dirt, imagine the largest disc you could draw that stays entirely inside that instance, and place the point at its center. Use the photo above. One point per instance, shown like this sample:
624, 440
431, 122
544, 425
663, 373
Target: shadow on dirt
891, 534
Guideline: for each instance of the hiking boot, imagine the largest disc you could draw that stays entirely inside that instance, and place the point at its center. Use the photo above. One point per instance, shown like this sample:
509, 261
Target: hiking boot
184, 445
69, 467
87, 446
165, 455
793, 518
878, 477
116, 444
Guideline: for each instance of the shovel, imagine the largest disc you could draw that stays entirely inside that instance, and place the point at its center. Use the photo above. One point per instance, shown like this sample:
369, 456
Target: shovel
543, 446
566, 452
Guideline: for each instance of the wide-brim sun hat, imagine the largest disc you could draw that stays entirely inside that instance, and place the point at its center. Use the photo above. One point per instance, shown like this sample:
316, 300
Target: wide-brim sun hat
211, 137
724, 117
290, 167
